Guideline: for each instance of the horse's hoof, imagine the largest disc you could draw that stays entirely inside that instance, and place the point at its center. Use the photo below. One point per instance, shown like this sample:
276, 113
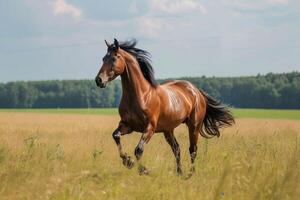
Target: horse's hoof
143, 170
192, 171
179, 172
128, 162
189, 175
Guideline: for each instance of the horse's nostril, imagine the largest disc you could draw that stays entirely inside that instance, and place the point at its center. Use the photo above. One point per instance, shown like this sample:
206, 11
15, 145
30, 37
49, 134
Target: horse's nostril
98, 80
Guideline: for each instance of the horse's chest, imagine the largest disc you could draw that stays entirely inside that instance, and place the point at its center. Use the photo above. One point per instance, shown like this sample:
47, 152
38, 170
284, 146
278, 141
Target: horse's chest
137, 121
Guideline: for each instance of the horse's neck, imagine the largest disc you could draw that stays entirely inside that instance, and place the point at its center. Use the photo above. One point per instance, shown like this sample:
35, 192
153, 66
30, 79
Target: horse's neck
134, 85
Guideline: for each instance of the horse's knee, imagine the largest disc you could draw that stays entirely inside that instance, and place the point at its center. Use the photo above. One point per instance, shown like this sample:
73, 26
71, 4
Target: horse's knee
116, 135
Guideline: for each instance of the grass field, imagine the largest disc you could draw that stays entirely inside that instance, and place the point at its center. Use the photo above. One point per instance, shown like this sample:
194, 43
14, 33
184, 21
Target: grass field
46, 154
239, 113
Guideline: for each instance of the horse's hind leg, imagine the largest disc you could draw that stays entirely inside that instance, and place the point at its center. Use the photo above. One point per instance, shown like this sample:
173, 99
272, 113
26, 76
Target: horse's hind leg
193, 135
169, 136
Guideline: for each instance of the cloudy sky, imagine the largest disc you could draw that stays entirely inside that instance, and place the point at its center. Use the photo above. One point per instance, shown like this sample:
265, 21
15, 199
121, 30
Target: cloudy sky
63, 39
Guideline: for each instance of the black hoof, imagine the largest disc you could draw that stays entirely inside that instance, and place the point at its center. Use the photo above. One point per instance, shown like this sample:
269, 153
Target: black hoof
179, 171
143, 170
128, 162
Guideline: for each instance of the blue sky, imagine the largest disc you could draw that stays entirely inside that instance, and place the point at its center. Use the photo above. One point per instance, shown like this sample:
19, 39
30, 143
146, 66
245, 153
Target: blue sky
64, 39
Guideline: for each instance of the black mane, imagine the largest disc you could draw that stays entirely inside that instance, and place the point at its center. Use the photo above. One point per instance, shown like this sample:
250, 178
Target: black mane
142, 57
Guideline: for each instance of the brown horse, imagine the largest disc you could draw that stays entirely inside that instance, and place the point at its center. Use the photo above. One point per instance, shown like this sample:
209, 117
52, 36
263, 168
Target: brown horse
148, 107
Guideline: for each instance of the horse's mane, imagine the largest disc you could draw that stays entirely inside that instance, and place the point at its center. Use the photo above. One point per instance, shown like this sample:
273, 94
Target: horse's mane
142, 57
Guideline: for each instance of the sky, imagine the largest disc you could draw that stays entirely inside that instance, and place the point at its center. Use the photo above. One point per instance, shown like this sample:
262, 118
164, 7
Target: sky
64, 39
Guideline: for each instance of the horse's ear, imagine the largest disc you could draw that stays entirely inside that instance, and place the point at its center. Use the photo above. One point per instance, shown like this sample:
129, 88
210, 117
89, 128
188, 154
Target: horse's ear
116, 43
107, 43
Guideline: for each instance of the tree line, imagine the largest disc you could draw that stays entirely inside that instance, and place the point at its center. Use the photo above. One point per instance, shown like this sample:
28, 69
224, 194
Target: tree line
261, 91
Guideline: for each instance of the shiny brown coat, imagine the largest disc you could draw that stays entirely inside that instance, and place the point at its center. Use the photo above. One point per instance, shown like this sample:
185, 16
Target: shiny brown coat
148, 107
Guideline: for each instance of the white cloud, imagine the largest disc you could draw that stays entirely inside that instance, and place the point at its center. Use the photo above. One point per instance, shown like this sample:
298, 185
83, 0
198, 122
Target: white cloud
61, 7
150, 27
278, 1
158, 22
177, 6
256, 4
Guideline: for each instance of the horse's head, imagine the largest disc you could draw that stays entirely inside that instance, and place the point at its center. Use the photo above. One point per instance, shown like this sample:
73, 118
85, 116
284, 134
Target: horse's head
113, 65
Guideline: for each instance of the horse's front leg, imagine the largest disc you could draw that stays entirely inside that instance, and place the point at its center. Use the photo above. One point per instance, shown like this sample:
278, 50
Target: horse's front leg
140, 148
123, 130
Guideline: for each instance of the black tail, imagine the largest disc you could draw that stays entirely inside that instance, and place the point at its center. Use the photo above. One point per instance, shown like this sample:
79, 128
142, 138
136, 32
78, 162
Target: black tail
217, 116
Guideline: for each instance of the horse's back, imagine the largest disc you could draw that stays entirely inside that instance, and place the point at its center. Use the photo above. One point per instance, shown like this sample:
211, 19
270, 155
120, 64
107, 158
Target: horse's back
183, 87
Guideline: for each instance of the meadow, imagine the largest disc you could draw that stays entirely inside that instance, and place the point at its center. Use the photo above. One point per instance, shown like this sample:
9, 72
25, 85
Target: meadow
70, 154
239, 113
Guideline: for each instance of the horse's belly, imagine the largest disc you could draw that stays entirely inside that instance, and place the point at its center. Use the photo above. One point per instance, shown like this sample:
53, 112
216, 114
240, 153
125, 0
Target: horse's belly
169, 123
171, 117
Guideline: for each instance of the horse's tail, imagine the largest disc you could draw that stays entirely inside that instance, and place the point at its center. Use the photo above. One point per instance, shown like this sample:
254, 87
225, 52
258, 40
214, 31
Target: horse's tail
217, 116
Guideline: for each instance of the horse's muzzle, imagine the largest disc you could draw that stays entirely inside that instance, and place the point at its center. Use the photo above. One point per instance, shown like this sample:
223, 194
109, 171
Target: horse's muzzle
99, 82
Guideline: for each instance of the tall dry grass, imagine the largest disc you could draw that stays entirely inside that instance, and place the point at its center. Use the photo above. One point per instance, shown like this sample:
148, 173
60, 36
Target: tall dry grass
57, 156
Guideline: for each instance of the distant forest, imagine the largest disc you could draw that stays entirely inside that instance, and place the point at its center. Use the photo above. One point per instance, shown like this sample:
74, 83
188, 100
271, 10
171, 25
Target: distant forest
261, 91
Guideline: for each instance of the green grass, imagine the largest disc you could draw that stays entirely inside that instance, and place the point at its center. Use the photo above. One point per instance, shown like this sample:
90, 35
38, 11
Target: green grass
267, 113
91, 111
239, 113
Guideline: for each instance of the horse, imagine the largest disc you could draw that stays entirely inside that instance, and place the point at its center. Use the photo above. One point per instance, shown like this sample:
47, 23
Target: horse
148, 107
